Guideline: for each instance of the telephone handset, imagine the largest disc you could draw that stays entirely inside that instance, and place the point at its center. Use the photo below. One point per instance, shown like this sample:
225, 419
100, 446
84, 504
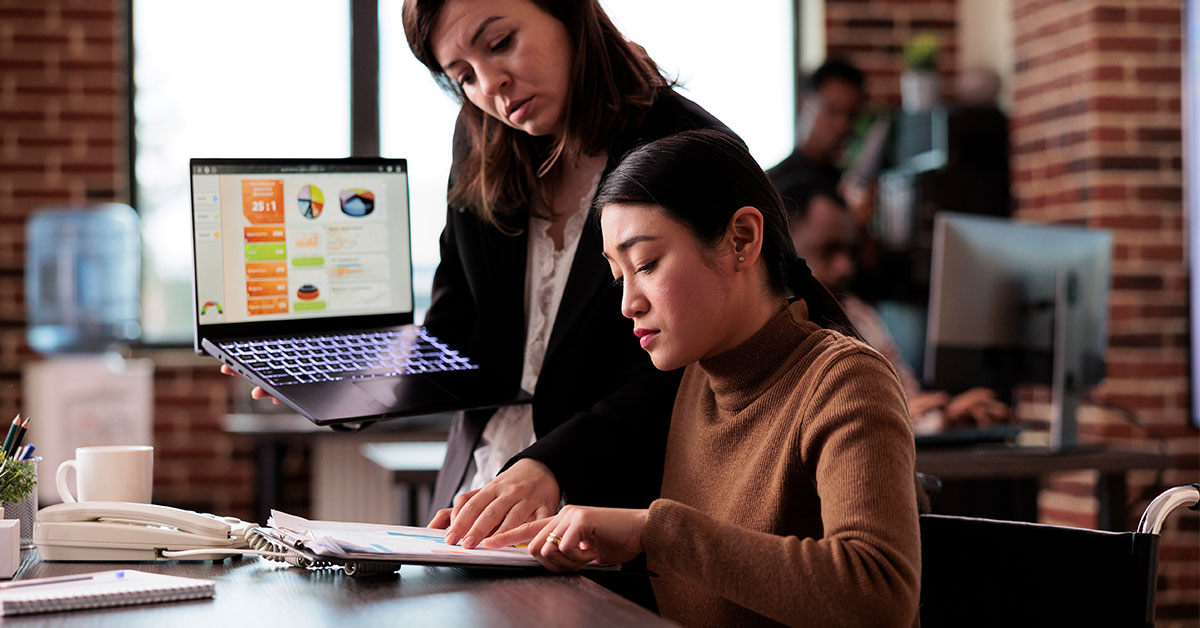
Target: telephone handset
123, 531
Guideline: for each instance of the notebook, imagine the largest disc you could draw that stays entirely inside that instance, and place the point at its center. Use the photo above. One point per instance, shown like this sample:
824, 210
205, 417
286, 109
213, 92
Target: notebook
98, 590
303, 283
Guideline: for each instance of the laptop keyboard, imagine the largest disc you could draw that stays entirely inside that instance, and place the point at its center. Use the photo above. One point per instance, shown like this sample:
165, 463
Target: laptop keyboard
303, 359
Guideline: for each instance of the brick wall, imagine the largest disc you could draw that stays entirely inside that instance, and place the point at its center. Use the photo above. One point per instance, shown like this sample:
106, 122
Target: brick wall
872, 34
1096, 136
64, 138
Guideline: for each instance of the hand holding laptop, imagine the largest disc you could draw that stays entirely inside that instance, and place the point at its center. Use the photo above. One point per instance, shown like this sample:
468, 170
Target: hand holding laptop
257, 392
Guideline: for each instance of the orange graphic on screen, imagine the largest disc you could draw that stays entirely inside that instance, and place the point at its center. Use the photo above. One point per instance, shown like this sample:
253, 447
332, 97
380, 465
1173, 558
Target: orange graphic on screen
307, 241
262, 200
266, 288
308, 292
266, 270
267, 306
265, 234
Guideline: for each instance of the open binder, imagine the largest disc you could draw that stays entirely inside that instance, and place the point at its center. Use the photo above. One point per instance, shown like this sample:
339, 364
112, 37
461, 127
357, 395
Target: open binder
378, 548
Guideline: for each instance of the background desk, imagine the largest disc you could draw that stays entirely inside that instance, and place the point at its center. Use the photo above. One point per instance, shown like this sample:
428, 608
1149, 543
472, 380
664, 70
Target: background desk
1002, 482
254, 592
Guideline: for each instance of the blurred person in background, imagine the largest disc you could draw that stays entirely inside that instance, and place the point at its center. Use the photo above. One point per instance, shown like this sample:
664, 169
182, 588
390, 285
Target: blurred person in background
824, 233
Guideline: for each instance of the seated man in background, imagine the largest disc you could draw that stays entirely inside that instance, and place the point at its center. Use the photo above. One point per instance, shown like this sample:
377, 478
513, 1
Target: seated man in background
824, 233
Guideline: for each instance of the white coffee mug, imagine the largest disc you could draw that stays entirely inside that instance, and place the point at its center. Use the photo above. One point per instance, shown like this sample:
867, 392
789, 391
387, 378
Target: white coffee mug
116, 473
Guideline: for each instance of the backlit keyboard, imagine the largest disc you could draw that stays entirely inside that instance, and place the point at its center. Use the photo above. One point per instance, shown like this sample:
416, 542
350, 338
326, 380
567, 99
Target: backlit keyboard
302, 359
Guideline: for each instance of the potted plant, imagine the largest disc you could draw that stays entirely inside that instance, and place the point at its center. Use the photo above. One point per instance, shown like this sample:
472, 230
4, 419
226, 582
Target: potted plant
920, 85
17, 481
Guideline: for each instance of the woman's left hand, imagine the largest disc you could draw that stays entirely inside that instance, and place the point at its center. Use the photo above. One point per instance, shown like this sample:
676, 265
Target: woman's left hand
581, 534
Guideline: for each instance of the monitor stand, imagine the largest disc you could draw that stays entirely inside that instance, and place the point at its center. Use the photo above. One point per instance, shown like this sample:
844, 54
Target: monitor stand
1066, 377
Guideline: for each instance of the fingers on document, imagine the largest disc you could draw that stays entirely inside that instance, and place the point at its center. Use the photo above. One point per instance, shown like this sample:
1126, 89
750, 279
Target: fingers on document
441, 519
520, 534
489, 519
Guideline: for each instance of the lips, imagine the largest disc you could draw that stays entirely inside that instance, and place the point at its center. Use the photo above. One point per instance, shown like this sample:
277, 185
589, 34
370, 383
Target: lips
518, 110
646, 336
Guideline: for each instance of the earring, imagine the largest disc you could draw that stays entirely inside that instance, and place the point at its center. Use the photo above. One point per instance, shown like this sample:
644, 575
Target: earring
741, 259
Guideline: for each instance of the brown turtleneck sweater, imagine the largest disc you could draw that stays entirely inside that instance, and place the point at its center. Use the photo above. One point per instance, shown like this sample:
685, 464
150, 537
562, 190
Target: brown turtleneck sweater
788, 490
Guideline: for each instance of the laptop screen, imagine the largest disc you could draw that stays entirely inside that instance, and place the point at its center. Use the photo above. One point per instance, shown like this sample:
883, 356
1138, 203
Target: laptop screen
290, 240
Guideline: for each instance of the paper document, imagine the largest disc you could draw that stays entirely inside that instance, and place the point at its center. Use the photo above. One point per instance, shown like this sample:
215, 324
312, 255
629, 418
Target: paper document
343, 540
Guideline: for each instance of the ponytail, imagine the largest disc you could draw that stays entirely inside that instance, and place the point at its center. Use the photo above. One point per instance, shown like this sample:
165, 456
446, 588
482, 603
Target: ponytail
823, 307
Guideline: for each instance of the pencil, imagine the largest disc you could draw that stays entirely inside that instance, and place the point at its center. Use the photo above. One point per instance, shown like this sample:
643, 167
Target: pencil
12, 431
16, 444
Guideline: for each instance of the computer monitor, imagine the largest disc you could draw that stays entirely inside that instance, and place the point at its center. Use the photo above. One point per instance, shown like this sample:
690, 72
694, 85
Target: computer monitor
1014, 303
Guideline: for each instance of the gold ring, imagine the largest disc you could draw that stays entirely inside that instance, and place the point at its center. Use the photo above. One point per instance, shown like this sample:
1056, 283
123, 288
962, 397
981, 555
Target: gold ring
553, 538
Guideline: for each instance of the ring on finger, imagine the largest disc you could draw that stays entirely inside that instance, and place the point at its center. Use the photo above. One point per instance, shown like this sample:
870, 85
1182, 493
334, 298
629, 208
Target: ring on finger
553, 538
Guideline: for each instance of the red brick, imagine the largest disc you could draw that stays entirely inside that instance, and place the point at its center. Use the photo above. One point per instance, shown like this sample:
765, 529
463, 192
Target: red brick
1126, 162
1163, 252
1137, 282
1113, 193
1167, 74
1124, 103
1108, 73
1106, 15
1125, 44
1128, 221
1147, 370
1136, 402
1155, 15
1160, 134
1160, 193
1107, 134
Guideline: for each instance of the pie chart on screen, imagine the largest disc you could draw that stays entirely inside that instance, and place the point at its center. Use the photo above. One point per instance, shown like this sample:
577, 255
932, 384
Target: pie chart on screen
311, 201
357, 202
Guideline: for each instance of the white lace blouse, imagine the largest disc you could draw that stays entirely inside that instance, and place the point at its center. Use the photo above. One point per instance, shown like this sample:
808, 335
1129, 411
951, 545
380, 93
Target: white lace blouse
546, 269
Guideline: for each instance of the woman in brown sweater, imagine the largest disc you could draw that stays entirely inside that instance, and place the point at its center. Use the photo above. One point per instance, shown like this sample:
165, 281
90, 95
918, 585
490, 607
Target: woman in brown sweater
788, 492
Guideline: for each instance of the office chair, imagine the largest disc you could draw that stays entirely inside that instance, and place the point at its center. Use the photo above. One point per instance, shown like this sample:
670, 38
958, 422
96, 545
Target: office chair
983, 572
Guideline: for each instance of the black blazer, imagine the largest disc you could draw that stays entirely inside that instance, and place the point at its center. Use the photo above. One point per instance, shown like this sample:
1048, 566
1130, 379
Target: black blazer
600, 408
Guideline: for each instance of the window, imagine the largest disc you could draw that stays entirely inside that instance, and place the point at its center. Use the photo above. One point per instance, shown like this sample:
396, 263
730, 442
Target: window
225, 78
416, 122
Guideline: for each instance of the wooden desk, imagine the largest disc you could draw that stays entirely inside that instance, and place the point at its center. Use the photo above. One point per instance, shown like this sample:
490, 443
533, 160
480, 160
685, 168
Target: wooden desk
255, 592
1027, 465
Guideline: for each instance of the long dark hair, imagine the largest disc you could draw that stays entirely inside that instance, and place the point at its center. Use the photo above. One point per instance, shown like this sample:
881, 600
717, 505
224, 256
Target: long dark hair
700, 178
613, 83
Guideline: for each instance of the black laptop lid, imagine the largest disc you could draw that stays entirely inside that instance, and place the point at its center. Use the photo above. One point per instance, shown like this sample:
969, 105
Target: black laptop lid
289, 246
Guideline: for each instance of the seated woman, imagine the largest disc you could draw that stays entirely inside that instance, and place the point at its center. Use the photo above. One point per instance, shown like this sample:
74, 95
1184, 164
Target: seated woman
788, 491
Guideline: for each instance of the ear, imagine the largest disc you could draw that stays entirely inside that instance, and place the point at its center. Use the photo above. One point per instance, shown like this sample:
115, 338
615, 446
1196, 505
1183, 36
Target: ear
744, 235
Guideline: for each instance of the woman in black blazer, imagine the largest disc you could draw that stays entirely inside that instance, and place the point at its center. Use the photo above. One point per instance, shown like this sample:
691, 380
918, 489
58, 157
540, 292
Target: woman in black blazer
547, 91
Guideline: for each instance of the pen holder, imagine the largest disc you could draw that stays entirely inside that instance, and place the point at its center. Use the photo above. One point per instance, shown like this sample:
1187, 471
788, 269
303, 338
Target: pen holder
26, 509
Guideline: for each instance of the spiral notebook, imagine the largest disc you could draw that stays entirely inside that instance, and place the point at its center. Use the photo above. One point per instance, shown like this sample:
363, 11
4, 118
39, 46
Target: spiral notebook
98, 590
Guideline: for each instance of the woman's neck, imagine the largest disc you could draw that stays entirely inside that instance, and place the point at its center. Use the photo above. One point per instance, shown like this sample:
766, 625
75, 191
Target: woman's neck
747, 319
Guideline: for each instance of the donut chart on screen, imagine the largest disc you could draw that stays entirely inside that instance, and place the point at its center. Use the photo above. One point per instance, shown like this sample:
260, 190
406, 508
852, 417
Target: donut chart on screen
311, 201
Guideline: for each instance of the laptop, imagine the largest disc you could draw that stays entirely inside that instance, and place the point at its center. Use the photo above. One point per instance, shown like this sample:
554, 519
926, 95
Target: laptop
303, 284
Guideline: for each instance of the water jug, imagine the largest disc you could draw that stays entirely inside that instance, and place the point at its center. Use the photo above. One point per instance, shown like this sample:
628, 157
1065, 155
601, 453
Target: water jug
82, 278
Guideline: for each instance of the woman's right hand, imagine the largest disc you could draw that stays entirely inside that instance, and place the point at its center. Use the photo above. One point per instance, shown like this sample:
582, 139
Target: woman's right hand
257, 393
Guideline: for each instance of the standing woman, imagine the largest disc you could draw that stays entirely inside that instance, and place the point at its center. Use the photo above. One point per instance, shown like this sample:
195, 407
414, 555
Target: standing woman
788, 491
552, 95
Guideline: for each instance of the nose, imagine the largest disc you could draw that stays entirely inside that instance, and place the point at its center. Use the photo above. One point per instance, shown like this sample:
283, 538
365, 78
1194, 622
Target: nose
493, 80
633, 301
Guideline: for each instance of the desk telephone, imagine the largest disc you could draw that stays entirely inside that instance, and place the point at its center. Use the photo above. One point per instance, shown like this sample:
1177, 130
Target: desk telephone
122, 531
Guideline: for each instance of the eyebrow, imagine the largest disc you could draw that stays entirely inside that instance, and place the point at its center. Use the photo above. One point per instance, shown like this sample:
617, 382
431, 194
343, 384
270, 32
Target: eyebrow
624, 246
482, 26
478, 32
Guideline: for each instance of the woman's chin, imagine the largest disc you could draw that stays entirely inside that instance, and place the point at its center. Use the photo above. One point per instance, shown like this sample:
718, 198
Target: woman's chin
664, 361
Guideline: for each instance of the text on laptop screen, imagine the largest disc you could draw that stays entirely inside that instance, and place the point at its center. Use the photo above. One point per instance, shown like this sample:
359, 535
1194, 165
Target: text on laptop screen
293, 241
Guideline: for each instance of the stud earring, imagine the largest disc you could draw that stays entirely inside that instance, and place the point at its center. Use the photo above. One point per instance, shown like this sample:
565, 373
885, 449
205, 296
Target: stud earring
741, 259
